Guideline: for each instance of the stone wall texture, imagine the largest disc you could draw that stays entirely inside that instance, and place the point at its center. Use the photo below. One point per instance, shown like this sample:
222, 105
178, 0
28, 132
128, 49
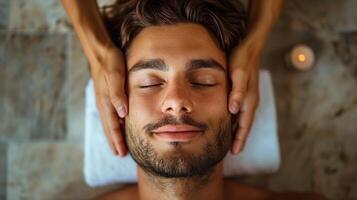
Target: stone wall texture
43, 73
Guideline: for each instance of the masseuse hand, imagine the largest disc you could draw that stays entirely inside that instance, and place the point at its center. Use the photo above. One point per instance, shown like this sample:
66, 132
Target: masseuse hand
111, 100
244, 63
107, 68
243, 100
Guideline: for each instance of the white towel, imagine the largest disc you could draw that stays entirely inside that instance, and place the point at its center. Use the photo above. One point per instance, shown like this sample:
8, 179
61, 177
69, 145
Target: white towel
261, 153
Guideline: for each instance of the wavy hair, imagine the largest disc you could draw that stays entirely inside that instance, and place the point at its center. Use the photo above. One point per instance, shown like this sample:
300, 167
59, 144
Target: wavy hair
225, 19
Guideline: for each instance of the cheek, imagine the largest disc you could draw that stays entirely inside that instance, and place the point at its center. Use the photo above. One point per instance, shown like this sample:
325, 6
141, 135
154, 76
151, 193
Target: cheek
213, 103
141, 107
213, 108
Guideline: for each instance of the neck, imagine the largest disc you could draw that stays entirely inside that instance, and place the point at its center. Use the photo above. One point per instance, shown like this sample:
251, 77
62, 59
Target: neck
208, 187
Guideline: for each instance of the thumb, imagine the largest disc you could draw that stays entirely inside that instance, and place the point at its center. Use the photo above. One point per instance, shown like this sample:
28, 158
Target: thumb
116, 85
239, 79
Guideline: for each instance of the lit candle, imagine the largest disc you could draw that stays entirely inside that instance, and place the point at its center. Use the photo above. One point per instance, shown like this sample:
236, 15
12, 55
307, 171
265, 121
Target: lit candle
301, 57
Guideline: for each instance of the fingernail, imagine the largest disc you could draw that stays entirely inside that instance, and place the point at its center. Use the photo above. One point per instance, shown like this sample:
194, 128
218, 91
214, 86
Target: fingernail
236, 149
119, 152
234, 108
121, 111
122, 152
117, 148
121, 148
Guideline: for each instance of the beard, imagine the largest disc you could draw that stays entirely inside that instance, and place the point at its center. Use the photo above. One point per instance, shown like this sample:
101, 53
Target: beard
179, 163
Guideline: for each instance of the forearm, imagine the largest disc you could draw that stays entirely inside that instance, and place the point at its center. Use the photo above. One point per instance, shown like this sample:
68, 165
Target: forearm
262, 16
89, 27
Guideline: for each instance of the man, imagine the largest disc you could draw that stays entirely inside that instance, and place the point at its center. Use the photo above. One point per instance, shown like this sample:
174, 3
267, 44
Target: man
107, 66
178, 128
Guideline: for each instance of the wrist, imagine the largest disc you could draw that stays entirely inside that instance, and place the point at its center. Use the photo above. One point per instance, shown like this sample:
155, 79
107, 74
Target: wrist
253, 43
262, 17
96, 45
90, 29
94, 39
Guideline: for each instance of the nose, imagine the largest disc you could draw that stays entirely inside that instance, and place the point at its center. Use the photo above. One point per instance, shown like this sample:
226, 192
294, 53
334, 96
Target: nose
176, 101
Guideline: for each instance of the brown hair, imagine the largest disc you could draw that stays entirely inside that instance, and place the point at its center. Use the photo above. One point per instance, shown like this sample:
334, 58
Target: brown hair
225, 19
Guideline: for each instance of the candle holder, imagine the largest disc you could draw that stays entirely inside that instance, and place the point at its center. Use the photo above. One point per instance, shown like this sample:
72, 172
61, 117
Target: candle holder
300, 57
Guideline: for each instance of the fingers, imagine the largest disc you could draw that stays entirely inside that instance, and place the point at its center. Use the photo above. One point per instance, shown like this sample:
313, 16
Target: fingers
112, 126
106, 130
246, 117
118, 99
245, 123
101, 105
109, 82
239, 79
116, 84
244, 96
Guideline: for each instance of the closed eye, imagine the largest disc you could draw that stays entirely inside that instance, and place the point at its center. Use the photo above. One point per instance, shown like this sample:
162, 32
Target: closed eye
148, 86
203, 85
194, 84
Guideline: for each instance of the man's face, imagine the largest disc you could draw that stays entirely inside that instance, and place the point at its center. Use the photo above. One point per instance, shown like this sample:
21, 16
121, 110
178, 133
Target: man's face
178, 123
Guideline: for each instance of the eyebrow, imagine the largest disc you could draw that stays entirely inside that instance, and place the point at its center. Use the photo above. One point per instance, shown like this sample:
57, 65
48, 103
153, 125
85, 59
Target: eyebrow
204, 63
159, 64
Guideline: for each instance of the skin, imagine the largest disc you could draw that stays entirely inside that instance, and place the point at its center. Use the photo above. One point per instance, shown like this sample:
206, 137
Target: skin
106, 66
244, 64
179, 93
173, 91
108, 70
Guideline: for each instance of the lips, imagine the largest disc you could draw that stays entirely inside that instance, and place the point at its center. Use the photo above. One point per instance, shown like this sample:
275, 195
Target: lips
176, 128
177, 133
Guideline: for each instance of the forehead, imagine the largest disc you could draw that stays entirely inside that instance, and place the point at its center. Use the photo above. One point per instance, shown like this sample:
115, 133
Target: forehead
177, 43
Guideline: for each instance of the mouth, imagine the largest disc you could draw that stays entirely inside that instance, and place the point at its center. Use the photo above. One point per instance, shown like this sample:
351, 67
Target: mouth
177, 133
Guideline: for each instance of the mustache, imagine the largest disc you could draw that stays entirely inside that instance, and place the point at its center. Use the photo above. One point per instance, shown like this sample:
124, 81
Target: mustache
171, 120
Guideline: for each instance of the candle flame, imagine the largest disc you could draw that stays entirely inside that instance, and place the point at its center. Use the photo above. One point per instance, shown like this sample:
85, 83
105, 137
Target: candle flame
301, 57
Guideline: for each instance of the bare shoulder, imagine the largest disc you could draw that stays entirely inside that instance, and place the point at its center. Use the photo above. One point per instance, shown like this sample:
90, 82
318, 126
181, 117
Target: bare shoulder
127, 192
236, 190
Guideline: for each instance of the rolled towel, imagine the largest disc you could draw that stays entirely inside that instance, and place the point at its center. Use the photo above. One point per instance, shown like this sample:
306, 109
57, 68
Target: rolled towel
260, 155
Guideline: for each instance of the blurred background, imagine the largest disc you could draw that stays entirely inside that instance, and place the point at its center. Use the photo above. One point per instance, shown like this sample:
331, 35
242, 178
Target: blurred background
43, 73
